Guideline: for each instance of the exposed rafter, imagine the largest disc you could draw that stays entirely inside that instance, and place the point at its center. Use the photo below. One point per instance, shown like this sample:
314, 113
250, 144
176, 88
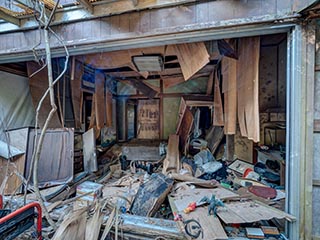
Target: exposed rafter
9, 18
86, 5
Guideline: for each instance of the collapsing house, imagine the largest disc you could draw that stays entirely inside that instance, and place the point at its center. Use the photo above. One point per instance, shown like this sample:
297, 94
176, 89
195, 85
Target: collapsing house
184, 120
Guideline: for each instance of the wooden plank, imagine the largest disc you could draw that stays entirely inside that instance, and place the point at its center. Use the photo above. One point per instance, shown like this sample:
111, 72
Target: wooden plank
143, 88
211, 226
185, 128
218, 119
172, 161
316, 125
99, 99
109, 108
89, 151
9, 18
193, 180
169, 81
148, 119
229, 89
248, 86
151, 195
250, 211
214, 137
38, 85
192, 57
210, 83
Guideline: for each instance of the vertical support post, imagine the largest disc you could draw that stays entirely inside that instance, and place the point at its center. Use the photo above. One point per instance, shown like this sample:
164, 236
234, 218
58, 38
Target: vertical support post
230, 147
300, 80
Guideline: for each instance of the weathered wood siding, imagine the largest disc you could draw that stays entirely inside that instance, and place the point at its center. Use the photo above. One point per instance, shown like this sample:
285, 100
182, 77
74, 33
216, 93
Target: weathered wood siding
151, 22
316, 160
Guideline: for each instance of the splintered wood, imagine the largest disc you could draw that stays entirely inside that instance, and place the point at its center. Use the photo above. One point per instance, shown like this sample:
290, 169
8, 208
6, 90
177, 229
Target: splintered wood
76, 93
248, 87
172, 160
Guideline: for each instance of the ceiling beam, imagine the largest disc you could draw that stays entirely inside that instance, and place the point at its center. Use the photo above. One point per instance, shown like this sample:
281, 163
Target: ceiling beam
7, 17
85, 4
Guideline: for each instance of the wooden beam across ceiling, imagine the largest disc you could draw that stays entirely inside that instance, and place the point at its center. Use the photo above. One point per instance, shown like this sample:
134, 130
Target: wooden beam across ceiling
86, 5
9, 18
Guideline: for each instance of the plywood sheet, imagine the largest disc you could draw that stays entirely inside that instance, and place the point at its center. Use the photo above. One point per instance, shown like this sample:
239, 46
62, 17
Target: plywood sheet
229, 89
248, 87
192, 57
38, 86
148, 119
184, 196
250, 211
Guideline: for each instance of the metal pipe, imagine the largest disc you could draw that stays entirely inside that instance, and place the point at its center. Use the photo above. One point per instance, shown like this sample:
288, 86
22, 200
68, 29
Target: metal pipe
21, 210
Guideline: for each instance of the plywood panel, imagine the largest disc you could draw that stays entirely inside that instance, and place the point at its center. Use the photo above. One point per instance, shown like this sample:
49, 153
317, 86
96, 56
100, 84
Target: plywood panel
248, 86
229, 89
38, 85
89, 151
148, 119
170, 115
316, 212
192, 57
243, 148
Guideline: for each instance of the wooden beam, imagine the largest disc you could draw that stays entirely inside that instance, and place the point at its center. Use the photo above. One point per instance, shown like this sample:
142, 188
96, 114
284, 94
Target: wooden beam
316, 182
316, 125
7, 17
85, 4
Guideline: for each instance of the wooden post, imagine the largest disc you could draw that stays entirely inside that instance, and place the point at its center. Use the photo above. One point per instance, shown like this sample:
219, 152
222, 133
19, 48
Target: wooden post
230, 147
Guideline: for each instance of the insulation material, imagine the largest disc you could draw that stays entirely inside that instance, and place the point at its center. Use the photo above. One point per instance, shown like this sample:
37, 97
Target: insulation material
76, 93
16, 108
192, 57
229, 89
248, 86
218, 110
99, 100
148, 119
38, 86
56, 157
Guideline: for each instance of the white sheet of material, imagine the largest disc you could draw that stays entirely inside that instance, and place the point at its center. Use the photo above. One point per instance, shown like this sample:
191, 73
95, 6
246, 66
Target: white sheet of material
16, 108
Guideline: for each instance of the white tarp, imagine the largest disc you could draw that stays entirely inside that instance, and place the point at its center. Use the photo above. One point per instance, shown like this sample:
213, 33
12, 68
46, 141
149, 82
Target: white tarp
16, 108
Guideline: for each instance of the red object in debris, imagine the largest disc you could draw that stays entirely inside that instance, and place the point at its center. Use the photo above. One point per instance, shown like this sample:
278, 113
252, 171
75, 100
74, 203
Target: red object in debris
21, 210
265, 192
191, 207
1, 202
247, 171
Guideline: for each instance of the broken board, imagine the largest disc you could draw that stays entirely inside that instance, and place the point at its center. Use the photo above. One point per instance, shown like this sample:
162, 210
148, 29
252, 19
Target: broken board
151, 194
250, 211
172, 160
